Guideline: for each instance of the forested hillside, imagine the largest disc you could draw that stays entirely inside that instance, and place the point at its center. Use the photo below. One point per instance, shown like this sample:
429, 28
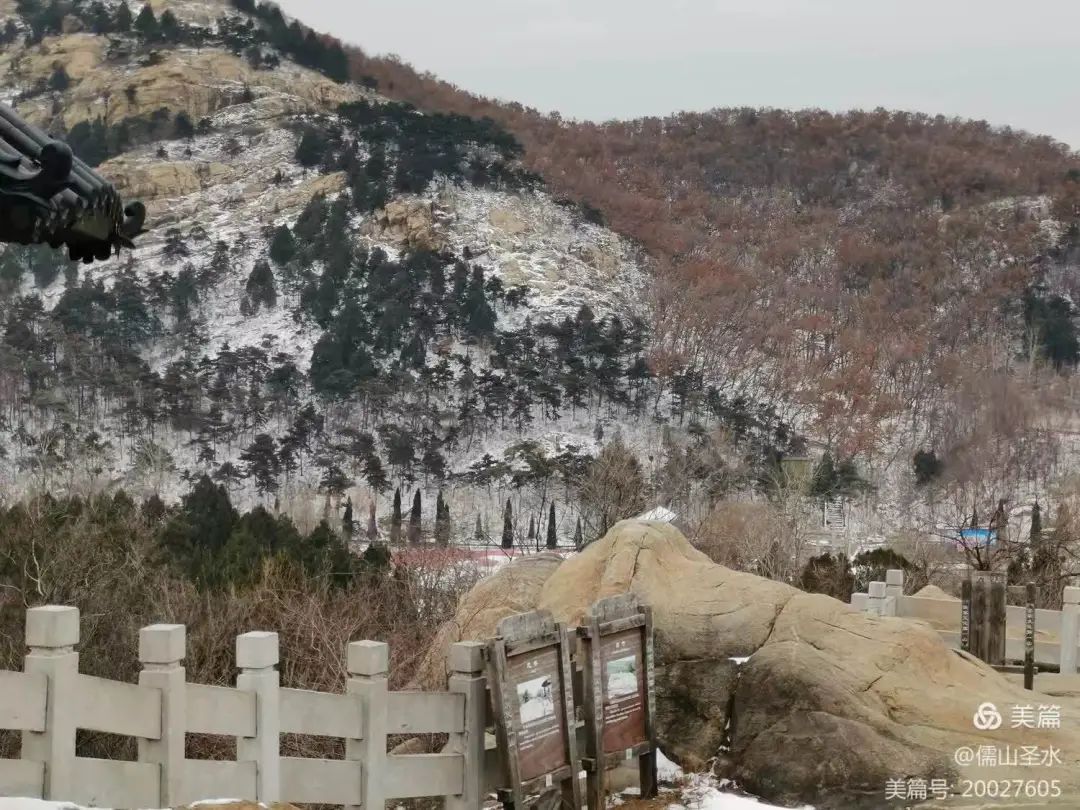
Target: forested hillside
340, 301
894, 283
345, 295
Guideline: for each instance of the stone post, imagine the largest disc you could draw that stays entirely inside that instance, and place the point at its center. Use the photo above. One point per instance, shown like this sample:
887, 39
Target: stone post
257, 657
467, 678
52, 632
860, 602
876, 600
894, 585
161, 649
1070, 623
369, 663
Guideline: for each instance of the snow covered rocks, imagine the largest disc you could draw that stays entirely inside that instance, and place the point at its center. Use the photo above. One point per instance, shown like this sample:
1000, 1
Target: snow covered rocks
820, 704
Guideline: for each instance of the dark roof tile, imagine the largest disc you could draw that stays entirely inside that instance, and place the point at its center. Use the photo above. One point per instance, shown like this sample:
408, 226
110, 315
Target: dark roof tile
49, 196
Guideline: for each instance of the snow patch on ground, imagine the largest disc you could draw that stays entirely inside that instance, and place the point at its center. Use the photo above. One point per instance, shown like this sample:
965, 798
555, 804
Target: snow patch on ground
700, 791
706, 792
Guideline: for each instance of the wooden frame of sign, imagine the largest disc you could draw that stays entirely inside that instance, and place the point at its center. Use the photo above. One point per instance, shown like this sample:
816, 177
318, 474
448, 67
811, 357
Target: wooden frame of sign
532, 698
619, 686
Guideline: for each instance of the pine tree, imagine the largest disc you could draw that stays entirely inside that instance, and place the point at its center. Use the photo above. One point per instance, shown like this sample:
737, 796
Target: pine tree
59, 81
442, 521
414, 519
311, 149
508, 526
200, 528
282, 246
347, 519
579, 538
480, 317
260, 288
123, 19
552, 539
372, 527
99, 18
262, 463
375, 474
395, 519
146, 23
170, 27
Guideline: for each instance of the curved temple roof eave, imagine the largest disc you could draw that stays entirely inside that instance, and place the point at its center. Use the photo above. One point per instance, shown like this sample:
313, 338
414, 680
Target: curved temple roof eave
49, 196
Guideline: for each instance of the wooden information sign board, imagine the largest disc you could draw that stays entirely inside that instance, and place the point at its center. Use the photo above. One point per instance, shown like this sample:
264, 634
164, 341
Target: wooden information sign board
533, 701
619, 687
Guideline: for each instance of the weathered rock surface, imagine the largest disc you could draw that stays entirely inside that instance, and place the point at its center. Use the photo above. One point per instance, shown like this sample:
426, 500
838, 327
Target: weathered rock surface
200, 83
410, 222
828, 705
512, 589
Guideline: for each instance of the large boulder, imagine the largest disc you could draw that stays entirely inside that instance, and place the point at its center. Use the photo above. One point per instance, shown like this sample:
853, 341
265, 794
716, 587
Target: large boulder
793, 695
514, 588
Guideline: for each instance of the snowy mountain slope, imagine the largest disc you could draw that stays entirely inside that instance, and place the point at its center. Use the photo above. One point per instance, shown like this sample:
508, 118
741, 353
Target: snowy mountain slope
211, 145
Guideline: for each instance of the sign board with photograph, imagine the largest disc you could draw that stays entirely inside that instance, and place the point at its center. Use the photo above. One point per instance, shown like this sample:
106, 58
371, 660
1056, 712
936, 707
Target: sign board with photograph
533, 702
618, 690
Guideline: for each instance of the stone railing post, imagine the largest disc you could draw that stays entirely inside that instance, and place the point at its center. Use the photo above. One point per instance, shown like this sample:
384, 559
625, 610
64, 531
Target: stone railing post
876, 600
368, 664
161, 649
467, 678
1070, 625
52, 632
894, 587
860, 602
257, 658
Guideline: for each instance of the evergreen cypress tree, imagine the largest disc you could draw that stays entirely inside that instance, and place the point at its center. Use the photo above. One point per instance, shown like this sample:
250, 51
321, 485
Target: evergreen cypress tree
579, 538
395, 519
347, 519
372, 527
532, 528
508, 526
552, 539
442, 521
478, 534
414, 519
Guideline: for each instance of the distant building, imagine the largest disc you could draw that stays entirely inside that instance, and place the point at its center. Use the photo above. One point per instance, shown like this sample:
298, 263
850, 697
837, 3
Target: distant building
977, 538
662, 514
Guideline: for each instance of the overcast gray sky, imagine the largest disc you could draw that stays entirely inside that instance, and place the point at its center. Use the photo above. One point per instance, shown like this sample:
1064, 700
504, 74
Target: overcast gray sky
1009, 62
